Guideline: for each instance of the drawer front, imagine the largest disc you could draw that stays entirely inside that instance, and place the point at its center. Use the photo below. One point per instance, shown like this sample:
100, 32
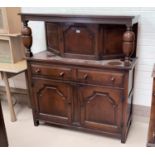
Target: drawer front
57, 72
100, 77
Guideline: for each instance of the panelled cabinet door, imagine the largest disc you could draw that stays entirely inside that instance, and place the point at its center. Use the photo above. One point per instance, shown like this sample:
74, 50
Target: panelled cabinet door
100, 108
54, 39
112, 41
53, 100
80, 39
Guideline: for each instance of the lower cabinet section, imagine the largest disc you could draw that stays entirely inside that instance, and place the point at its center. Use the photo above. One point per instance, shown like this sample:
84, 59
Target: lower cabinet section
94, 99
88, 107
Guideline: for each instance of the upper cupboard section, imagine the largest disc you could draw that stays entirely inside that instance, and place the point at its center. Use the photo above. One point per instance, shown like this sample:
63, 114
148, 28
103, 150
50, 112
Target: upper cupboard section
86, 41
85, 36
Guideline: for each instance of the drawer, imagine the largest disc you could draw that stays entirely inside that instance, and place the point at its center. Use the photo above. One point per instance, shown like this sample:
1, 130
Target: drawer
100, 77
56, 72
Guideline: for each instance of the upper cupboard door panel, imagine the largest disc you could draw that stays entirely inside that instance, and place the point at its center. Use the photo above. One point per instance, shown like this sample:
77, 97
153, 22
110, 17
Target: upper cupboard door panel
87, 41
52, 34
80, 39
112, 36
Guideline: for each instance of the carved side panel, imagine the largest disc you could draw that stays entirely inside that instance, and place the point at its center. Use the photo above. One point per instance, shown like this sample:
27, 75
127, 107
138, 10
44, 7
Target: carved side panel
52, 34
112, 40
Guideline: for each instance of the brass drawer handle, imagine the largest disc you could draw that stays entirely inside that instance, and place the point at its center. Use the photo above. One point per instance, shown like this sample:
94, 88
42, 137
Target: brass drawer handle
37, 70
85, 76
61, 74
113, 79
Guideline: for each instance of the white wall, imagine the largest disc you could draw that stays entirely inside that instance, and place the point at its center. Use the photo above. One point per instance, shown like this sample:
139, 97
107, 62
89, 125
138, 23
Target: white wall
146, 42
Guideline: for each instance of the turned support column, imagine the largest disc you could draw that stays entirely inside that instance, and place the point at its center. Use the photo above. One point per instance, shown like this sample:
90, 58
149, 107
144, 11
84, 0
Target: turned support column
128, 45
27, 38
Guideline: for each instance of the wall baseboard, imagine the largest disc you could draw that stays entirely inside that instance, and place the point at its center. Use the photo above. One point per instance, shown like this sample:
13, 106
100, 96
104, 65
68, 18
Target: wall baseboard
140, 112
19, 95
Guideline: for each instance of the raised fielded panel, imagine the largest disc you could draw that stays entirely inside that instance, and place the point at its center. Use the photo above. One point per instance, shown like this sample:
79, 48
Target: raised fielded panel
79, 39
53, 37
100, 108
53, 100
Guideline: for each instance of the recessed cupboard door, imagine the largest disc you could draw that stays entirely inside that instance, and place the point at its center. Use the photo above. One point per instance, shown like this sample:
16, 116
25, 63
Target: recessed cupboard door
112, 38
80, 40
53, 100
101, 108
54, 39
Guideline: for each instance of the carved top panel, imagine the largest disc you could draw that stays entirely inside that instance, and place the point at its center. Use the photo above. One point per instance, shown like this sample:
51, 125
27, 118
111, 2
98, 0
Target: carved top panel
98, 19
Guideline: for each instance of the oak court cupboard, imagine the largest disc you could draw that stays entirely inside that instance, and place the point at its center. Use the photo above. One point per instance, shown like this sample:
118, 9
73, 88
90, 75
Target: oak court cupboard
85, 78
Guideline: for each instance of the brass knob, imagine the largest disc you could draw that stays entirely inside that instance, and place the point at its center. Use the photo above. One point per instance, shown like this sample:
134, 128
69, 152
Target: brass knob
61, 74
37, 70
85, 76
113, 79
